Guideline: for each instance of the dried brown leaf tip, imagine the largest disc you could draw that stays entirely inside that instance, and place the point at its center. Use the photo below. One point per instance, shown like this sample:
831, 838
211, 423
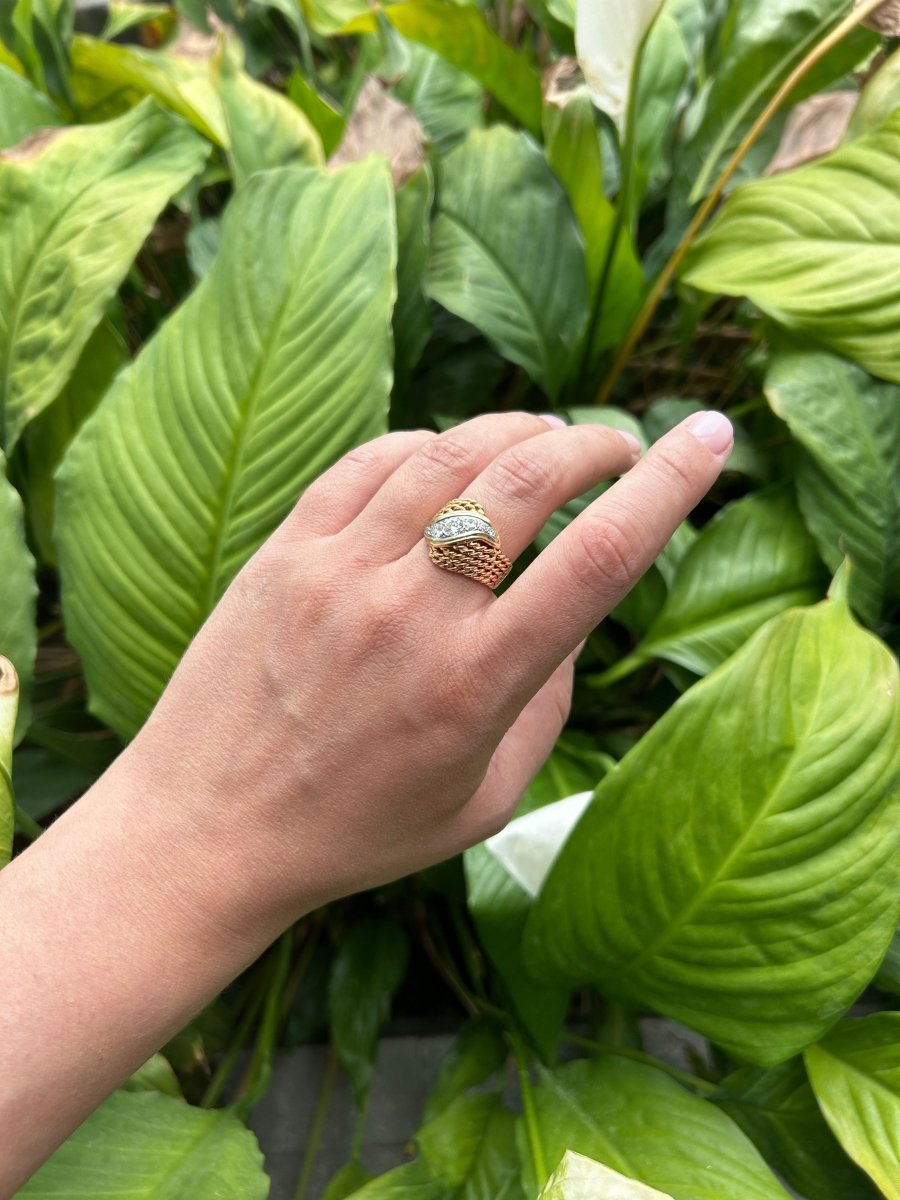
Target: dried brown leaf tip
814, 128
380, 124
561, 81
33, 145
9, 680
885, 19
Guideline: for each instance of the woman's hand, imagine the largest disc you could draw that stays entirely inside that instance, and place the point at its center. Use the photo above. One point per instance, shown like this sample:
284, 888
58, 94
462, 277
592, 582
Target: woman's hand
349, 713
352, 713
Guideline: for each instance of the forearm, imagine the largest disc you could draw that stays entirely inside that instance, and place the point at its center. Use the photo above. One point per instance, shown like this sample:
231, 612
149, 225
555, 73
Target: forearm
127, 916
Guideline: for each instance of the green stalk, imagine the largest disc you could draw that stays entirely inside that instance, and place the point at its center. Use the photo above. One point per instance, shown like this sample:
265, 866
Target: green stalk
706, 209
624, 218
27, 825
323, 1104
220, 1078
529, 1109
620, 670
260, 1070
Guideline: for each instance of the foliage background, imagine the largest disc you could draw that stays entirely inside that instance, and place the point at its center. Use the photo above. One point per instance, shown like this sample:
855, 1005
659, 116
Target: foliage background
237, 241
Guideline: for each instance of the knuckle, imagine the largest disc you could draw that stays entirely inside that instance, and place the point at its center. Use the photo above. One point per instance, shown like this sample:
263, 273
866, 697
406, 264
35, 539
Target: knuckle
608, 550
446, 453
670, 462
520, 474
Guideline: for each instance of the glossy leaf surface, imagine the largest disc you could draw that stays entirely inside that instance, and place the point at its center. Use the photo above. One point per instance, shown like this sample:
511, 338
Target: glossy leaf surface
276, 365
818, 249
529, 298
74, 215
738, 870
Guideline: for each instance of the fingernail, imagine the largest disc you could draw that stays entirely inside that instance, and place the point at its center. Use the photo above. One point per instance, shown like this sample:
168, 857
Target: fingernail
553, 420
713, 429
634, 443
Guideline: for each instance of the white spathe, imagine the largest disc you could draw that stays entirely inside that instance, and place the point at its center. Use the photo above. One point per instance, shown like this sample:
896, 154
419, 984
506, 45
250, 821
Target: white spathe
580, 1178
528, 847
608, 36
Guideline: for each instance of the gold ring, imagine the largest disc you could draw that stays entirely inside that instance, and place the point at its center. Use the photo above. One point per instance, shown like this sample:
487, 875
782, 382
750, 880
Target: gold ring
461, 538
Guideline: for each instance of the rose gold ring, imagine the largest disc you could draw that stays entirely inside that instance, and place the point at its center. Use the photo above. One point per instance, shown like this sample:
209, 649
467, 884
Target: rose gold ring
461, 539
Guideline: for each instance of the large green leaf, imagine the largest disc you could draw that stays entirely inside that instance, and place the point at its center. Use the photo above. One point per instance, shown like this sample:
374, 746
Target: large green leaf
819, 249
461, 35
368, 969
757, 43
73, 218
276, 365
855, 1073
479, 1052
22, 108
18, 595
738, 871
9, 704
580, 1178
527, 296
412, 317
500, 905
148, 1146
750, 563
848, 472
637, 1121
778, 1112
447, 101
573, 151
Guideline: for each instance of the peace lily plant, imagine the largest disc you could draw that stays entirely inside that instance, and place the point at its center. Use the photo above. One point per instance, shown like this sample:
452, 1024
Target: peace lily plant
471, 220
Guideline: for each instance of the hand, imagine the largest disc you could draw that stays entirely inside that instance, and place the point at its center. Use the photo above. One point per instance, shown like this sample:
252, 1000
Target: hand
350, 713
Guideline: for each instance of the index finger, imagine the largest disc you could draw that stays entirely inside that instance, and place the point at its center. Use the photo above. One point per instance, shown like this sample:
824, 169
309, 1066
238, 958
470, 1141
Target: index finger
600, 556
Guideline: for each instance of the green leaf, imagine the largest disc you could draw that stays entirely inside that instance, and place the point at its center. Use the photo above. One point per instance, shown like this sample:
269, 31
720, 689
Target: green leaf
738, 871
74, 217
183, 85
888, 977
665, 67
479, 1052
527, 297
412, 318
50, 433
447, 101
879, 98
818, 249
639, 1122
9, 705
275, 366
499, 905
18, 596
573, 151
751, 562
467, 1153
368, 969
124, 14
327, 121
156, 1075
347, 1181
757, 45
23, 109
580, 1178
461, 35
148, 1146
45, 783
848, 470
855, 1073
265, 129
778, 1112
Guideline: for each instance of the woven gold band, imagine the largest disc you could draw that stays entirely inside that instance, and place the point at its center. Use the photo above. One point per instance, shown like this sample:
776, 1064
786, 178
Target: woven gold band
461, 539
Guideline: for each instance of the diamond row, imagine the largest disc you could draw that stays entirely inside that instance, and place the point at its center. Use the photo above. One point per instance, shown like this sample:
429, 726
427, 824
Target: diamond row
449, 528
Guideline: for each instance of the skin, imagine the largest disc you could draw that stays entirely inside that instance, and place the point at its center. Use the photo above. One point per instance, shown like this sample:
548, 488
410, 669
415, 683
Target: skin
348, 714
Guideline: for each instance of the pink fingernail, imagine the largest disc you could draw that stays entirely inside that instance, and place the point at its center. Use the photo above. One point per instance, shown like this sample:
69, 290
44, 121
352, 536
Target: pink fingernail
713, 429
633, 442
553, 420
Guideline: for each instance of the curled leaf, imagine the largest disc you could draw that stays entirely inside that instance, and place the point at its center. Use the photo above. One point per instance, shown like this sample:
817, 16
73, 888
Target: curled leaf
814, 129
885, 19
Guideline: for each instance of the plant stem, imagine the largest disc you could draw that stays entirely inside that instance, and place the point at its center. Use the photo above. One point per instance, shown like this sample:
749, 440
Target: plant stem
220, 1078
703, 213
323, 1104
529, 1109
620, 670
260, 1070
703, 1086
27, 825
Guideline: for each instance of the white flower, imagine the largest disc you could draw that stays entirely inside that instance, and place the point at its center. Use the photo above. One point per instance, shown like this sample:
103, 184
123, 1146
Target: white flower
608, 36
529, 846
